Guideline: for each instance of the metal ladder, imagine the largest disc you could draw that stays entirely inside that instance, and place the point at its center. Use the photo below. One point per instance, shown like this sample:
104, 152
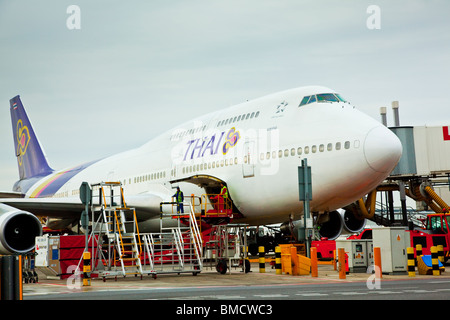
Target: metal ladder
121, 229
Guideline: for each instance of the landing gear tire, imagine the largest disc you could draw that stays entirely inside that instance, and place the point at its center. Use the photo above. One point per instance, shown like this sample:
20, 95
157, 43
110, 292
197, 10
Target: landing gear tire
247, 266
222, 267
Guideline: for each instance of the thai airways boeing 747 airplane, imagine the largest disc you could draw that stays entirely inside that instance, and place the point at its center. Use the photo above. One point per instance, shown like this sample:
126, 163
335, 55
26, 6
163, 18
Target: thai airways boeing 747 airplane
254, 148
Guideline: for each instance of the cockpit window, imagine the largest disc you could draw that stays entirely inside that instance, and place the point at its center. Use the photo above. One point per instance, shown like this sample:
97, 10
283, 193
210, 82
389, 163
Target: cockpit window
340, 98
327, 97
305, 100
323, 97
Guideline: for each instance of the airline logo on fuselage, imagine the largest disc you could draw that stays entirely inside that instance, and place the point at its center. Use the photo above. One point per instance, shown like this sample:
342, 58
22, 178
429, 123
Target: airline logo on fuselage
23, 138
199, 147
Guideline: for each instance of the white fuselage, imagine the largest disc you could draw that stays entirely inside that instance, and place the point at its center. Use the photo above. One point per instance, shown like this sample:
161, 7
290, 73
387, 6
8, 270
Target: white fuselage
257, 156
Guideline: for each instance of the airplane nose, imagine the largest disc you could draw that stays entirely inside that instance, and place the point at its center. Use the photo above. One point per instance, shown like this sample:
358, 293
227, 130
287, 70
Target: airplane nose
382, 149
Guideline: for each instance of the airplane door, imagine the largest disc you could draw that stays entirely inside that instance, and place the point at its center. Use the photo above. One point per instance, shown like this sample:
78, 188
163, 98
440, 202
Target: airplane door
248, 167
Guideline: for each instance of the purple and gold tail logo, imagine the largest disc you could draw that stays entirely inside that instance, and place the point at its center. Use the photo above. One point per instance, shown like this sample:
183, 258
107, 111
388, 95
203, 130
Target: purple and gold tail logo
23, 138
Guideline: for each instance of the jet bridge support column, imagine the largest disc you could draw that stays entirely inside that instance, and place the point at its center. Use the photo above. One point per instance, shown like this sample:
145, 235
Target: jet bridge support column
403, 202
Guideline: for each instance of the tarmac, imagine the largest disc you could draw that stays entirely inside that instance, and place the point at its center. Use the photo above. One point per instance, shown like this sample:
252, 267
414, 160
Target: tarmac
207, 278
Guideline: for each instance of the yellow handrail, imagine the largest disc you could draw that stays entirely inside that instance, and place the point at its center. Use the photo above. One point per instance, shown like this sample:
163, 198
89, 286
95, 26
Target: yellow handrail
120, 232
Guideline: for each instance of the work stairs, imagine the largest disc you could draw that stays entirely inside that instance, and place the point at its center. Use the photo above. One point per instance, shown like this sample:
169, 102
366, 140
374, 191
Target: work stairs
119, 225
175, 249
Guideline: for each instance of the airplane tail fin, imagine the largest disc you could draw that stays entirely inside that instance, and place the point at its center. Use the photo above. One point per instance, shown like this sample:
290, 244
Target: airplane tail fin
30, 156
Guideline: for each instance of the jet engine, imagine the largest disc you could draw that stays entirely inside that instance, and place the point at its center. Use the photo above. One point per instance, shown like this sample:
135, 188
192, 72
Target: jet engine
330, 224
18, 230
342, 221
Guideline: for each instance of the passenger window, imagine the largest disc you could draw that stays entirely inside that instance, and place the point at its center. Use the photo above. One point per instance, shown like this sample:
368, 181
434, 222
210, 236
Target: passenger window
338, 146
280, 153
253, 114
321, 148
292, 152
347, 145
299, 151
306, 150
329, 146
314, 149
274, 154
286, 153
268, 155
257, 114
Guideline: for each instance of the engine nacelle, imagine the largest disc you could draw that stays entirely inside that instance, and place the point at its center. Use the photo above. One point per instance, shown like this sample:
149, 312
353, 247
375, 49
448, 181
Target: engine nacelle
18, 230
342, 221
353, 222
330, 225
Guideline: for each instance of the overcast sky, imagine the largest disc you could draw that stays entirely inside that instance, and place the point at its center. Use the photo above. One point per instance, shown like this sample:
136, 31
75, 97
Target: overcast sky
138, 68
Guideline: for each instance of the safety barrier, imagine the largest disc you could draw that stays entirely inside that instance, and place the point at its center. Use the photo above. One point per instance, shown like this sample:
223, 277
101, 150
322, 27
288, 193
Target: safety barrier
425, 266
11, 287
440, 252
418, 252
411, 262
377, 262
262, 260
86, 269
278, 260
314, 266
435, 261
341, 259
293, 263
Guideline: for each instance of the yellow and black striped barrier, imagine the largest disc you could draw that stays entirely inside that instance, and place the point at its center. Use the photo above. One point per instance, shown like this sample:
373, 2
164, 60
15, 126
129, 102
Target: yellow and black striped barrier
262, 260
278, 260
411, 262
435, 261
418, 251
86, 269
440, 250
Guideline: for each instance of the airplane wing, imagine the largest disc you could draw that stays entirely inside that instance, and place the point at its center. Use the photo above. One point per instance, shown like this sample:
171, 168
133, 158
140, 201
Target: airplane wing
49, 207
8, 194
146, 205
